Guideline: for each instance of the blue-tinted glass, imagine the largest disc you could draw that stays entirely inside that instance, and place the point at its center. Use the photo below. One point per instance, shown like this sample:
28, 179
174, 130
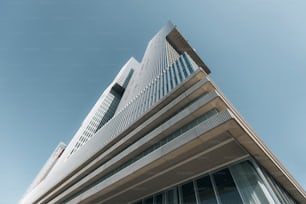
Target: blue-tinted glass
281, 193
188, 193
183, 67
226, 187
171, 78
175, 74
156, 91
205, 191
249, 184
179, 71
161, 88
188, 63
166, 82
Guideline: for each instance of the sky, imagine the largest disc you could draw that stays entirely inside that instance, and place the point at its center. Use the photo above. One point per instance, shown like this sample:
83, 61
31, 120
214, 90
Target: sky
57, 57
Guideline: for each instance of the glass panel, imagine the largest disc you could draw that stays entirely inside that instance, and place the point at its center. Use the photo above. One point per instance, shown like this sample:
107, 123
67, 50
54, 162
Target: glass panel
159, 199
206, 192
226, 187
188, 64
181, 64
171, 77
281, 194
172, 196
174, 74
188, 193
148, 200
179, 71
248, 183
166, 82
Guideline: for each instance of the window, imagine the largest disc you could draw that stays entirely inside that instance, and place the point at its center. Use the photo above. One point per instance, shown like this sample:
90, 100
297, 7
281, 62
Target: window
205, 191
226, 187
249, 184
172, 196
159, 199
148, 200
188, 193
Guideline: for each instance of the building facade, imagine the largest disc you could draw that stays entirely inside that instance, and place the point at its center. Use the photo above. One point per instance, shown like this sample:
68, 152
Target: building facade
162, 132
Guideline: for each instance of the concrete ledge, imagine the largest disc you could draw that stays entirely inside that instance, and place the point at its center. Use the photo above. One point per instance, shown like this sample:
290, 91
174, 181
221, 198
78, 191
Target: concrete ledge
176, 144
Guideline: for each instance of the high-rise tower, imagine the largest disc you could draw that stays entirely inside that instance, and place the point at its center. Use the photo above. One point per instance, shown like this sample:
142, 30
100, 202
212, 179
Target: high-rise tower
161, 133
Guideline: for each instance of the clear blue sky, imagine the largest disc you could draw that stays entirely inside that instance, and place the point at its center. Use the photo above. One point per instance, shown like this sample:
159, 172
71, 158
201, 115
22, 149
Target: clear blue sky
57, 56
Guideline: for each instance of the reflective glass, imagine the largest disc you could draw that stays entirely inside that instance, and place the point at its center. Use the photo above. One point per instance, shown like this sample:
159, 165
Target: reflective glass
172, 196
281, 194
226, 187
206, 191
251, 188
188, 193
159, 199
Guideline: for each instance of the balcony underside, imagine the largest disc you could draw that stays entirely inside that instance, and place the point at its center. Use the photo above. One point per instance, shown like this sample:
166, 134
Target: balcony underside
202, 154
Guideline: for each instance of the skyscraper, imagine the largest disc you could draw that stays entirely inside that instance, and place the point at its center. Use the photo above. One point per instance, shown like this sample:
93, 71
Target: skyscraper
162, 132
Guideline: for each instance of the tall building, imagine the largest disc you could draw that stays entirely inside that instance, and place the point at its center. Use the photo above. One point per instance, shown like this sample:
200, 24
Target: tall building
163, 133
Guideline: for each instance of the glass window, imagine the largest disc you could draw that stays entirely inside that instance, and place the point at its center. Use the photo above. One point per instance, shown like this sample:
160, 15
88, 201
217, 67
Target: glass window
171, 78
188, 64
206, 191
159, 199
174, 74
179, 70
281, 194
160, 87
172, 196
226, 187
183, 67
250, 186
188, 195
148, 200
166, 87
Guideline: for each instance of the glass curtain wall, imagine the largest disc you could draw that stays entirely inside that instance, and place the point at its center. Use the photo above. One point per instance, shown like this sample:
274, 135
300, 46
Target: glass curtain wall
251, 188
280, 193
239, 183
